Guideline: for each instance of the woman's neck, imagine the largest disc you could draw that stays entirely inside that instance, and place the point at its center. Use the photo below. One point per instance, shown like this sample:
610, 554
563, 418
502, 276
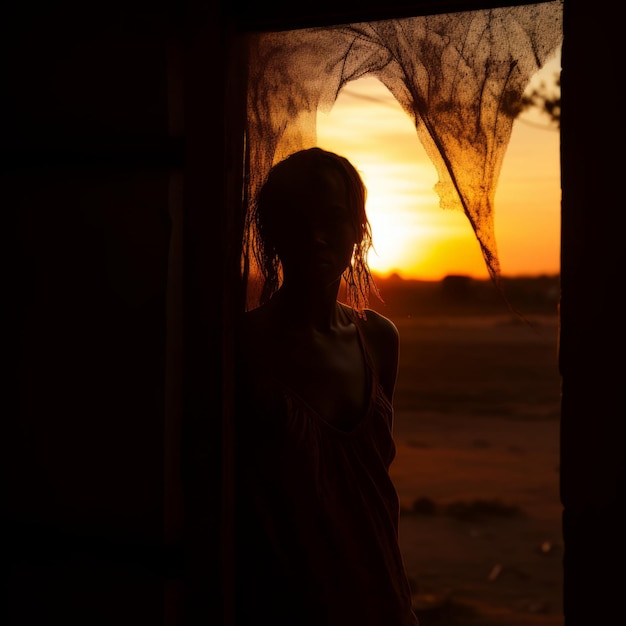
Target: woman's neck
306, 308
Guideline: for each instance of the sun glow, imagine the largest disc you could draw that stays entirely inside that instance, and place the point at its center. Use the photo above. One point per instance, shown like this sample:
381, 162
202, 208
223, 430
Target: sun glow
406, 220
410, 230
413, 236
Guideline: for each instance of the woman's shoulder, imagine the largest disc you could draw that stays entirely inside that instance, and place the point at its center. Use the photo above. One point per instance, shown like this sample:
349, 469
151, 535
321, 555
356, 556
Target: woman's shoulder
378, 327
382, 339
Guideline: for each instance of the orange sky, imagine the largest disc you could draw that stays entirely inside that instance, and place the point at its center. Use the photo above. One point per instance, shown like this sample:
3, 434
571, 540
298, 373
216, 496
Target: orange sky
412, 235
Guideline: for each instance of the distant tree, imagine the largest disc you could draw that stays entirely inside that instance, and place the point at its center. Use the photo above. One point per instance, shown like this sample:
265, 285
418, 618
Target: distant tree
545, 98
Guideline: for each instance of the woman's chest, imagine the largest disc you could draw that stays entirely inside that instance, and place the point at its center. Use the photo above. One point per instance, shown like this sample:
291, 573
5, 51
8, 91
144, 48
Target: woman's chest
330, 378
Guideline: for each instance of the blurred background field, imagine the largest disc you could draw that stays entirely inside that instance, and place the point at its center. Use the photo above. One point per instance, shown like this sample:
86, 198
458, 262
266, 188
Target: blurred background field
477, 410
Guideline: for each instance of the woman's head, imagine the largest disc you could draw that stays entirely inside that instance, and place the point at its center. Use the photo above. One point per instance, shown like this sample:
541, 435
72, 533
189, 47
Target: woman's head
310, 224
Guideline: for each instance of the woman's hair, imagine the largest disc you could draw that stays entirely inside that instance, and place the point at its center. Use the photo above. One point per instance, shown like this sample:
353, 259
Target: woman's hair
267, 208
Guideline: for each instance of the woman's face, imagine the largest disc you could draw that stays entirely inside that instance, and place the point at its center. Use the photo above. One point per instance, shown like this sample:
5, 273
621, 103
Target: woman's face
316, 237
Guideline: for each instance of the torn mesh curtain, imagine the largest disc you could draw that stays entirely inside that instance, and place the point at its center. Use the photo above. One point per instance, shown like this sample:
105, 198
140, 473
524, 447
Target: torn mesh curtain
456, 75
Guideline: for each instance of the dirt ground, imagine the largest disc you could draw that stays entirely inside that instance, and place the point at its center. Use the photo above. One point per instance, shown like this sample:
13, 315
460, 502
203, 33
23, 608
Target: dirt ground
477, 468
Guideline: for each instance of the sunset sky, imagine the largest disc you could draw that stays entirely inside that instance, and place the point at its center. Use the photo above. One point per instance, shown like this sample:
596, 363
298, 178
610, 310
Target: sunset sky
412, 235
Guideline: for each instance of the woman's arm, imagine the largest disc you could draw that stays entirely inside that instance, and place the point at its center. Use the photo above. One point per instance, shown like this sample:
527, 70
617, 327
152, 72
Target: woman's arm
383, 341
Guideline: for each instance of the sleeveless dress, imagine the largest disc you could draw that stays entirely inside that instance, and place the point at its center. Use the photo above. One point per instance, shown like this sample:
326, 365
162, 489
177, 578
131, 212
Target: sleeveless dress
316, 513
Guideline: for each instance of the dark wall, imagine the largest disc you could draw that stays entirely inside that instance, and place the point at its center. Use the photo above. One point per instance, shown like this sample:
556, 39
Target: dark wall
88, 158
592, 339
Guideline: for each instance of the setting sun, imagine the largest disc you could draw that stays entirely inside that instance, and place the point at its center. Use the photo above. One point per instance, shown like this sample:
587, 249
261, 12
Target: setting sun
410, 230
413, 236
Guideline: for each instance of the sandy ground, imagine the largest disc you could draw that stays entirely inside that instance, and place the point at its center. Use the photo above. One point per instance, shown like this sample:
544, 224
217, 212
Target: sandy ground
477, 434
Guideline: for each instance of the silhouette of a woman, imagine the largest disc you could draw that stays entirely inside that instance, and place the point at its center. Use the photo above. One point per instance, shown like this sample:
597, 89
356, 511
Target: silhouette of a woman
316, 531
